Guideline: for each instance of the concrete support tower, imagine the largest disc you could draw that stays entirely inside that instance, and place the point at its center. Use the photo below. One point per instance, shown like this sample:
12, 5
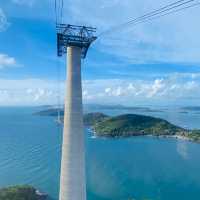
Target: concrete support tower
72, 179
75, 40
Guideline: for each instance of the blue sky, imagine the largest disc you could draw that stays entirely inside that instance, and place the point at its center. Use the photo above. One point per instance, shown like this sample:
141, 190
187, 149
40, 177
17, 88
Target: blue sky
153, 63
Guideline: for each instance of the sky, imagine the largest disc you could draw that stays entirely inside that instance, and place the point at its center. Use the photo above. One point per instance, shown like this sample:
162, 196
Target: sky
153, 63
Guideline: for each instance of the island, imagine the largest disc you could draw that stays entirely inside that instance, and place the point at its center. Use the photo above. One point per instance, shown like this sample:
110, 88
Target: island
23, 192
129, 125
191, 108
50, 112
134, 125
140, 125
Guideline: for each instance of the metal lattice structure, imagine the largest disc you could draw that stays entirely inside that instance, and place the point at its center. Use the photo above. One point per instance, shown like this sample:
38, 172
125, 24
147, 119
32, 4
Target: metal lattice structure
71, 35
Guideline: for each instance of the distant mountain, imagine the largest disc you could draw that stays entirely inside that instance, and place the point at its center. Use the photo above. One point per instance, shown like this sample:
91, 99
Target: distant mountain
191, 108
89, 119
53, 111
120, 107
50, 112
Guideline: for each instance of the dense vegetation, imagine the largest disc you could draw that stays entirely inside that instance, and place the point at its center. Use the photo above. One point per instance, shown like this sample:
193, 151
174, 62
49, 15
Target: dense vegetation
90, 119
136, 125
132, 125
20, 193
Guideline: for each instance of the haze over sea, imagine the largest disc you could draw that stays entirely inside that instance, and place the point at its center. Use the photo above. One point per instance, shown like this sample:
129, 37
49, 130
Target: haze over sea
117, 169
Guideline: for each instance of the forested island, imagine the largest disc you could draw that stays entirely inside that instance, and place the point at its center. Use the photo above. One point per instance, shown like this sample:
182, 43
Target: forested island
137, 125
24, 192
132, 125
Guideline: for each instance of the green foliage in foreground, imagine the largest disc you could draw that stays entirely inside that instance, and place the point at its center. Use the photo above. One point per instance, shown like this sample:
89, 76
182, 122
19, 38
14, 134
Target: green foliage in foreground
132, 125
18, 193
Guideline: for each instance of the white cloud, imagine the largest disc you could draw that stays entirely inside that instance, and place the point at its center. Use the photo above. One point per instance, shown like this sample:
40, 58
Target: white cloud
7, 61
87, 96
180, 88
3, 21
107, 90
114, 92
29, 92
157, 86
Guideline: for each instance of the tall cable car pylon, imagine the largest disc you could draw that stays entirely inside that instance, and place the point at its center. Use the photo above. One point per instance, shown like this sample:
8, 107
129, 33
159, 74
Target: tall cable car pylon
75, 41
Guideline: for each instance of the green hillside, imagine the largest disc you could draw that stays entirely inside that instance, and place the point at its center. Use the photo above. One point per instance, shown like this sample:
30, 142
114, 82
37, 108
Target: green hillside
90, 119
131, 124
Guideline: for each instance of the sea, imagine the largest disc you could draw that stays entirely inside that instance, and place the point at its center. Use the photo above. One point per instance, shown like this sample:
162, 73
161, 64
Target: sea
137, 168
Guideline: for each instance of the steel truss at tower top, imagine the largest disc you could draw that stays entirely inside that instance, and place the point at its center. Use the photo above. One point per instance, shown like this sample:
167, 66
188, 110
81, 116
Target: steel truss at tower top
71, 35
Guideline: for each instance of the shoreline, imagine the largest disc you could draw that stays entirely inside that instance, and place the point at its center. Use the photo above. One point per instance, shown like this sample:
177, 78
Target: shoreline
176, 137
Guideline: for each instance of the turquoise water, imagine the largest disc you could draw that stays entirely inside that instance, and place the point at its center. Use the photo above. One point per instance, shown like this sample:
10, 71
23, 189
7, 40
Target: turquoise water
138, 168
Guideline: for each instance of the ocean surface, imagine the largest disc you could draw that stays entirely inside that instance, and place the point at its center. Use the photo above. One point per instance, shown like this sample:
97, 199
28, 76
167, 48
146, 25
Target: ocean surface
139, 168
